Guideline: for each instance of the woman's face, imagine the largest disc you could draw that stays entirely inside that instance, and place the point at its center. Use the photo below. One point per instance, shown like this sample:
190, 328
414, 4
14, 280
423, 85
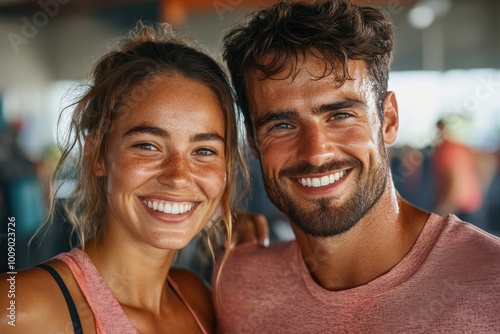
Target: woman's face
164, 163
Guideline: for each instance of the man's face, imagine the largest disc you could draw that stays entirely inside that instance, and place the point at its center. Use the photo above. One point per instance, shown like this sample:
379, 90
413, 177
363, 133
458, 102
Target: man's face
321, 145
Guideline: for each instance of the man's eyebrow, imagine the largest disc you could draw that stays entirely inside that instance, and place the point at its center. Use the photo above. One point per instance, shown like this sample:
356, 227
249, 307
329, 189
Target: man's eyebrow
146, 129
343, 104
275, 115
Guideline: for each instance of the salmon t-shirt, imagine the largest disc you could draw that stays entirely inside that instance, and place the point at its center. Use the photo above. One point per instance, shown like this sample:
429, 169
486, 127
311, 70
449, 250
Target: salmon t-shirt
449, 282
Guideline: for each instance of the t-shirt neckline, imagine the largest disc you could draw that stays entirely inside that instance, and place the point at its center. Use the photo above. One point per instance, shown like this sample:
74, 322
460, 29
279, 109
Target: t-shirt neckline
403, 270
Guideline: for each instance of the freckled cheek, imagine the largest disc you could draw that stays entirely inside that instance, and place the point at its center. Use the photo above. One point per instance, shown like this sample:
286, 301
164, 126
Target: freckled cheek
127, 172
135, 167
210, 179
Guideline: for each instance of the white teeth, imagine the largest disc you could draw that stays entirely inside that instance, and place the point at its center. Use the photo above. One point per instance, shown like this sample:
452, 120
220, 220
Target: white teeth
167, 208
323, 181
170, 207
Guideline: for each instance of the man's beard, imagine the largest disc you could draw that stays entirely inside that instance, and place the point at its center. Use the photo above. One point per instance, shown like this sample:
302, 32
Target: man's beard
321, 218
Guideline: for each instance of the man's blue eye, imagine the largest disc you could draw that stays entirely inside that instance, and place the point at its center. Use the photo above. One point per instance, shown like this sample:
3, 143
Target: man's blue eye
341, 116
282, 126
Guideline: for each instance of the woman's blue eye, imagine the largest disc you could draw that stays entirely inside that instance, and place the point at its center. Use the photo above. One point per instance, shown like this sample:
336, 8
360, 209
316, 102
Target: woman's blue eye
204, 151
146, 146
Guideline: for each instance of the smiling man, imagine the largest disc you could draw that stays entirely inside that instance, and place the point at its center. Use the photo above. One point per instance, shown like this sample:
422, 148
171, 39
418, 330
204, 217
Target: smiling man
311, 80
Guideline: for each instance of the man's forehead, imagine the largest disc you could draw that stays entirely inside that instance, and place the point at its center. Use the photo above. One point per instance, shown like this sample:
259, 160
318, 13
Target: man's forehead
306, 68
314, 65
310, 83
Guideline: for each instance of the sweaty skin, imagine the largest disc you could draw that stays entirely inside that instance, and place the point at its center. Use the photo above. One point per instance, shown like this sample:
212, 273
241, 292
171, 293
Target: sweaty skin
322, 152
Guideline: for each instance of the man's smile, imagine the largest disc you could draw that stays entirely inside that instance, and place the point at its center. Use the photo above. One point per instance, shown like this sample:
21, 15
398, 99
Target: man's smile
321, 181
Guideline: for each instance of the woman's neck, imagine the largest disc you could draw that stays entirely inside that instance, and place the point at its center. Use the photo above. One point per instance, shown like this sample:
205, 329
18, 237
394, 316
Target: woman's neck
135, 273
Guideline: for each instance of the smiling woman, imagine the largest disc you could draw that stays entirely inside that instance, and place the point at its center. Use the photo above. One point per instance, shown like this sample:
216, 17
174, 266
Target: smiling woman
157, 154
165, 164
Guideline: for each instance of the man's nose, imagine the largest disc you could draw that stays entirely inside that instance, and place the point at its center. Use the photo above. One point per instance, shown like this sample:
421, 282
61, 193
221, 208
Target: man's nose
315, 145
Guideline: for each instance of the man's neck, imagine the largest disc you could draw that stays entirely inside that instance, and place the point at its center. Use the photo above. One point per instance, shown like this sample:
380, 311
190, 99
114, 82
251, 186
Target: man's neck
368, 250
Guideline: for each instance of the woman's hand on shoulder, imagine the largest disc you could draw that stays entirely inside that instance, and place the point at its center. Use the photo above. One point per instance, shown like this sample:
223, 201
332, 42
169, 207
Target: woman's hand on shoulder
250, 227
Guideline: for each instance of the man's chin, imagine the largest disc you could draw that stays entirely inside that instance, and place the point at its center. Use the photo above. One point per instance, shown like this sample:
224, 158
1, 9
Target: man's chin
327, 232
323, 222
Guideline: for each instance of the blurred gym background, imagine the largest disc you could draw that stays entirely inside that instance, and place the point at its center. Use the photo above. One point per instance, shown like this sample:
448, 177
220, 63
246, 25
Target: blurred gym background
446, 67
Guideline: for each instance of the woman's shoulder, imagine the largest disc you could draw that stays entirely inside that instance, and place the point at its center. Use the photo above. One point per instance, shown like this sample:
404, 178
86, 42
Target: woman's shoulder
31, 300
196, 293
34, 301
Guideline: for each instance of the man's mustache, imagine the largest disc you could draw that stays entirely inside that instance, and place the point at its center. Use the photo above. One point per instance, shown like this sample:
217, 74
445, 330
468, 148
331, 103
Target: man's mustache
303, 168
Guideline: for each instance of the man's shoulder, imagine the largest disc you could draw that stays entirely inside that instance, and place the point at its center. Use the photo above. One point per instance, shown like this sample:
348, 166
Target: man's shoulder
253, 261
251, 251
253, 274
465, 234
468, 246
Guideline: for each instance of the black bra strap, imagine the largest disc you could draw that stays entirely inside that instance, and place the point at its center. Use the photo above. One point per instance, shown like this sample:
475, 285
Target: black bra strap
75, 319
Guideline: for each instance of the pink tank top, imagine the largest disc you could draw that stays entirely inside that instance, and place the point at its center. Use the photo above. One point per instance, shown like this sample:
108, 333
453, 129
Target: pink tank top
108, 314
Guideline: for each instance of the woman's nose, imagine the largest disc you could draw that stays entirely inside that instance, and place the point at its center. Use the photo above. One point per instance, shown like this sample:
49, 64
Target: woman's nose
175, 170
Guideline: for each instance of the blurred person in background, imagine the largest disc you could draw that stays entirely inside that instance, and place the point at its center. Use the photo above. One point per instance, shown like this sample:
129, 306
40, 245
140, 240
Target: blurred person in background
411, 173
154, 150
456, 172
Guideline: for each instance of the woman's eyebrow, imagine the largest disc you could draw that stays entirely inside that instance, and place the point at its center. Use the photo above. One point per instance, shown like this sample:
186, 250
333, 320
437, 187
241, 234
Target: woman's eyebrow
147, 129
207, 136
157, 131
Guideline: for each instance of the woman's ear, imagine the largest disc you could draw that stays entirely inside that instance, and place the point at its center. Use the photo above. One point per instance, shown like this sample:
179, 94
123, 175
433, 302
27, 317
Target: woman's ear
391, 118
90, 151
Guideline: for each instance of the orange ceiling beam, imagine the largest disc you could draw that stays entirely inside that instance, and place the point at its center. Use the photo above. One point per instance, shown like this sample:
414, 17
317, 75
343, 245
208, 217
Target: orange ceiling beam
214, 5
